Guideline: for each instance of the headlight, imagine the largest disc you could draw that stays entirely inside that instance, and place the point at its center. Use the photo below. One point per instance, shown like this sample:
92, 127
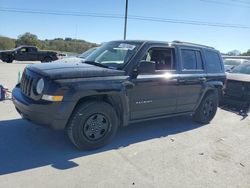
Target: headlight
40, 86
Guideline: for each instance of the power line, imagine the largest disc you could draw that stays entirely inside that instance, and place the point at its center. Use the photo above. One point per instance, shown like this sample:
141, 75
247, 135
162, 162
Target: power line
131, 17
60, 13
240, 1
191, 22
238, 4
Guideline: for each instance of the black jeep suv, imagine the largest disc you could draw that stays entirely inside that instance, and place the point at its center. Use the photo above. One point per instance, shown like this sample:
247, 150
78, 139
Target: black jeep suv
27, 53
120, 83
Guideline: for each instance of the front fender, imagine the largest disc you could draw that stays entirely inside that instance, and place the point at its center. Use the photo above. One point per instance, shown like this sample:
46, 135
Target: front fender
114, 91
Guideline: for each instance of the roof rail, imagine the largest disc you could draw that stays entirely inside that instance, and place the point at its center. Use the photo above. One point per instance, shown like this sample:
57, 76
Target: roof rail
189, 43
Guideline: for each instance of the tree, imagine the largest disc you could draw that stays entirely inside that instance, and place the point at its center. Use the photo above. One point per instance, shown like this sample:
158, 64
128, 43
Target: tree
27, 39
246, 53
57, 44
6, 43
234, 52
58, 39
68, 39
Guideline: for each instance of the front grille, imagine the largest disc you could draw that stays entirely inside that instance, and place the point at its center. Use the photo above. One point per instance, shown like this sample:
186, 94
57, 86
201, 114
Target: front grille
26, 84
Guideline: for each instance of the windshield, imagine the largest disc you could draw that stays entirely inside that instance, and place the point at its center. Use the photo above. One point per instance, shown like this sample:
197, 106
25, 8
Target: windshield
233, 62
243, 69
114, 54
17, 48
85, 54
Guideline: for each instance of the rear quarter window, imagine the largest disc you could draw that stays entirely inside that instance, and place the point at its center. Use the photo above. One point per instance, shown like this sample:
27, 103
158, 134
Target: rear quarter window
191, 60
188, 59
214, 64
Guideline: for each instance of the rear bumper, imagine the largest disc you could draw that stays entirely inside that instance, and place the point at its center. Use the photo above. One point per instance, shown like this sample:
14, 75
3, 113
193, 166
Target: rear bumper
54, 115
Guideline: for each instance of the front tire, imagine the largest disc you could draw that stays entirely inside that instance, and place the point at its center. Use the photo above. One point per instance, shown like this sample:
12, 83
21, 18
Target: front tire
10, 59
207, 108
92, 125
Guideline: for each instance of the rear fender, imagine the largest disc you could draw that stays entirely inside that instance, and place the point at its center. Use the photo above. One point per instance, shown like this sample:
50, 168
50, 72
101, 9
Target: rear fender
212, 86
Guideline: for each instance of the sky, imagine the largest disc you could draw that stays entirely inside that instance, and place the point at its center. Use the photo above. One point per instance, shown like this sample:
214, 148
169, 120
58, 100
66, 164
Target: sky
99, 29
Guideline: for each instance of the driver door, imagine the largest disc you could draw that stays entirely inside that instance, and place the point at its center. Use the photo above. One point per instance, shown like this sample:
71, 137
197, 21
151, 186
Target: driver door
21, 54
155, 94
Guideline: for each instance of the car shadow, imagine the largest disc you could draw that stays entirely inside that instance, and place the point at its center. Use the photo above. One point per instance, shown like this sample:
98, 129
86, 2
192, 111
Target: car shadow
236, 110
24, 145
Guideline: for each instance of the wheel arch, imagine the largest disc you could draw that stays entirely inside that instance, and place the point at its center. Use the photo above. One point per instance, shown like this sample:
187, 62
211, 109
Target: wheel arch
115, 100
211, 87
45, 57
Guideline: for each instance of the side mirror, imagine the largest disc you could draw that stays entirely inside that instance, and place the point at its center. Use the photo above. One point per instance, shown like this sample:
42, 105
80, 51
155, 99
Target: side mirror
146, 67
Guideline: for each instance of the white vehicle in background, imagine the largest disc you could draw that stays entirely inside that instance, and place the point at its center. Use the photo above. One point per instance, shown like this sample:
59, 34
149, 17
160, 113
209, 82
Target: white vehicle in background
230, 63
80, 57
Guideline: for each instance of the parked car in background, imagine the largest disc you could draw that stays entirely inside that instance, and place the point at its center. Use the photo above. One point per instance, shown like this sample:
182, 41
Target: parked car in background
229, 64
237, 87
61, 55
27, 53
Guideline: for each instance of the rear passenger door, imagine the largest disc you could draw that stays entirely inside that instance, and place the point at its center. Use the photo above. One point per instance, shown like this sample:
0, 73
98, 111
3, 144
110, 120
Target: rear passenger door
191, 79
32, 55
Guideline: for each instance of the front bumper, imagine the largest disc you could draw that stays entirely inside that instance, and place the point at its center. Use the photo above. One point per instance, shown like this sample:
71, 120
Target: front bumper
51, 114
243, 102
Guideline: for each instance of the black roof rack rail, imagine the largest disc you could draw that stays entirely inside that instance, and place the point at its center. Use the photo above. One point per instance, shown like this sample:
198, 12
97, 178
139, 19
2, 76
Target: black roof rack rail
190, 43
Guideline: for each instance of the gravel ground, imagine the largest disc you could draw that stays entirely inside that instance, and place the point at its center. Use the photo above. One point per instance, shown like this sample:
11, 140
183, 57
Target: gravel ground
173, 152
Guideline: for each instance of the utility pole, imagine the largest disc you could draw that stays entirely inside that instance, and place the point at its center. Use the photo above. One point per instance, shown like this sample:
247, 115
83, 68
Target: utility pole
76, 29
126, 17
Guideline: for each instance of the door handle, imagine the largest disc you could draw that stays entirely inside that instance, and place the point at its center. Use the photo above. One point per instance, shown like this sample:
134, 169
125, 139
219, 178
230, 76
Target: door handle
128, 85
167, 81
202, 79
181, 80
173, 80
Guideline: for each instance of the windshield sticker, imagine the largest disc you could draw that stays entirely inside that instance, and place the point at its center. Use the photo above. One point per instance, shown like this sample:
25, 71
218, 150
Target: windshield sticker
127, 46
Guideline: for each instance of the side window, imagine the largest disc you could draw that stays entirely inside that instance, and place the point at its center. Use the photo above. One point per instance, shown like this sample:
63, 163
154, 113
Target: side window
23, 50
188, 59
162, 57
199, 61
213, 62
191, 60
30, 49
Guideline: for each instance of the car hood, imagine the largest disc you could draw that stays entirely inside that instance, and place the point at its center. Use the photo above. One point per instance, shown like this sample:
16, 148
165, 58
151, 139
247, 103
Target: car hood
238, 77
6, 51
228, 67
62, 70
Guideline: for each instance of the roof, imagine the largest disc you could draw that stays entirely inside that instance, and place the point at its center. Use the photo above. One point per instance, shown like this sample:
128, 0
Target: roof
235, 57
175, 42
26, 46
191, 44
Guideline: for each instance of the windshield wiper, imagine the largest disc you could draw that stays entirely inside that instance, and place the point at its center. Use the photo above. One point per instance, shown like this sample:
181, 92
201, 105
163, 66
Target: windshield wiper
96, 64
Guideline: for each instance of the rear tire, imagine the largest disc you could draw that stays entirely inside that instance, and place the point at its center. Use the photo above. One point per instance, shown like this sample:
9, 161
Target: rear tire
92, 125
207, 108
